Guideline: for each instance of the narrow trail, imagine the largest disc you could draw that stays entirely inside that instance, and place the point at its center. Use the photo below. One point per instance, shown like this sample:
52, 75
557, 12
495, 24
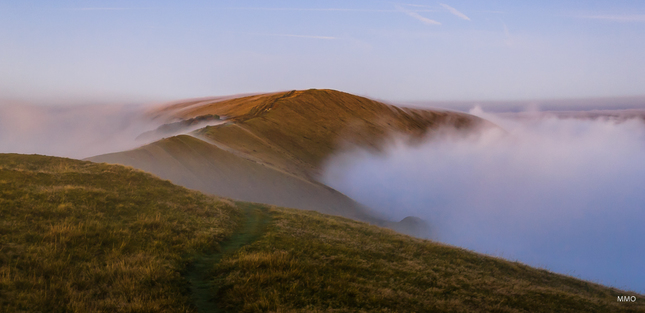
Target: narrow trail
198, 275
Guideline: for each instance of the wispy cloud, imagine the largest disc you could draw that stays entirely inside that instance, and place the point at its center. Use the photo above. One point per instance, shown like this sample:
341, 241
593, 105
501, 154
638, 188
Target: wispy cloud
308, 9
253, 33
103, 9
294, 36
417, 16
617, 18
493, 12
427, 8
455, 12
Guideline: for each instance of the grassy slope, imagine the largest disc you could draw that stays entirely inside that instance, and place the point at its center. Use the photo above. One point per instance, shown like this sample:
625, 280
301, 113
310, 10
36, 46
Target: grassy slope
85, 237
195, 164
201, 272
298, 130
308, 262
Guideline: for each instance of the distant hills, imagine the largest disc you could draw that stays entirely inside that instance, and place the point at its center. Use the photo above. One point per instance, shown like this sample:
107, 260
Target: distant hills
270, 148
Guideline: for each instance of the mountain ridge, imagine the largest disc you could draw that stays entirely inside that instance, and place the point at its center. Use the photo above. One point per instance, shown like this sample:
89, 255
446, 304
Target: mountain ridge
271, 148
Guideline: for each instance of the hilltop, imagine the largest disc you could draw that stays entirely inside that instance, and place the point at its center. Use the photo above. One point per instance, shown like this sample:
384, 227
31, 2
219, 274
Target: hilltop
80, 236
297, 130
271, 148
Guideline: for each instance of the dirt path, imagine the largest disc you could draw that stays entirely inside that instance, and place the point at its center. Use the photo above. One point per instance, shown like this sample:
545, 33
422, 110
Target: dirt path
199, 272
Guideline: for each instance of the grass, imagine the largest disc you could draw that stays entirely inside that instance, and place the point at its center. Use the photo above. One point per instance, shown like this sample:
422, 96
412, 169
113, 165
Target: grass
309, 262
273, 147
200, 272
196, 164
298, 130
83, 237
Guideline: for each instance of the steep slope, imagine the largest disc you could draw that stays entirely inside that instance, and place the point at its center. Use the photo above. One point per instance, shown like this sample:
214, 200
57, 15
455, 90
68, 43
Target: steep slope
83, 237
198, 165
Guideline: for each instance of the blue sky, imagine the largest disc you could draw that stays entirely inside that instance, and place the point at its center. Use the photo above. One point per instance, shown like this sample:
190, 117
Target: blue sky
398, 51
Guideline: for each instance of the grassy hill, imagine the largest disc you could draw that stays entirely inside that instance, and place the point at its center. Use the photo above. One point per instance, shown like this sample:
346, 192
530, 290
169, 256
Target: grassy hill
198, 165
272, 147
309, 262
84, 237
298, 130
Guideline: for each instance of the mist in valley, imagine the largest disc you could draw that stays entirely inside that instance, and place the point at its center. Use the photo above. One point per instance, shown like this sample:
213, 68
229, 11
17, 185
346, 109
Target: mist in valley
566, 195
74, 131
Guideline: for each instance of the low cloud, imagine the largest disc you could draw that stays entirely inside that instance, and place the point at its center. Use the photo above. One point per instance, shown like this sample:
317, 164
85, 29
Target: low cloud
71, 131
562, 194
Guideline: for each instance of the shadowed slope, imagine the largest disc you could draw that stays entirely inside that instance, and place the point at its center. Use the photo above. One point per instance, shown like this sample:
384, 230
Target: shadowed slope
195, 164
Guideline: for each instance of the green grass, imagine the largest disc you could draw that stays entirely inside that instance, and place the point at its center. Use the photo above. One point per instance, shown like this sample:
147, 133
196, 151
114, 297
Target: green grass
309, 262
200, 273
83, 237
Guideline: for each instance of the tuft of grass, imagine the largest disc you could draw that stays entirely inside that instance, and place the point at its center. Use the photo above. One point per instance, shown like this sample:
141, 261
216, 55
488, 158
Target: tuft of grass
83, 237
309, 262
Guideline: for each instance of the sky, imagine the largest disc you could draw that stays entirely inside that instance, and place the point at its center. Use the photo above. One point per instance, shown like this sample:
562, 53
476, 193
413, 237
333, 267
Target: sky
102, 51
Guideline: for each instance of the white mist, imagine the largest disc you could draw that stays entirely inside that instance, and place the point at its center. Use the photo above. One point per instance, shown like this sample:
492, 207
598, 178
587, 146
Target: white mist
567, 195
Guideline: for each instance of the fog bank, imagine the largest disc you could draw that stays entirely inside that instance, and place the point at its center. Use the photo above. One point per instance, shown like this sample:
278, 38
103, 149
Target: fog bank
567, 195
78, 131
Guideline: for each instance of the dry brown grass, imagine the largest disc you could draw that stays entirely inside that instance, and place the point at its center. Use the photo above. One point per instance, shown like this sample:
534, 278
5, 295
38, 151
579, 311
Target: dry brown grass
297, 130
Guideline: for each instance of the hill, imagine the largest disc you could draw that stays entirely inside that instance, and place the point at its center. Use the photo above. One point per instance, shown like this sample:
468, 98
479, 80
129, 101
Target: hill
85, 237
79, 236
196, 164
297, 131
309, 262
271, 148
